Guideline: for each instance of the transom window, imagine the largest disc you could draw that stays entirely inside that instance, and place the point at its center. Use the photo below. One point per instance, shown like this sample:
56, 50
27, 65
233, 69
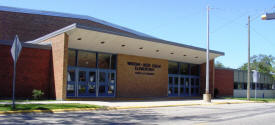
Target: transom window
183, 68
80, 58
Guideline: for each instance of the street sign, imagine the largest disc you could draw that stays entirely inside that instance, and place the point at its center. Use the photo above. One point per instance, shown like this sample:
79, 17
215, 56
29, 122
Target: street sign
16, 49
255, 76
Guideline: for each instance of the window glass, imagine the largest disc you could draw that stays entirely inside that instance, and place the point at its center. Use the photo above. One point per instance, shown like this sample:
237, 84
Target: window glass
194, 69
253, 86
102, 89
82, 76
176, 90
81, 89
182, 81
181, 90
71, 76
261, 86
197, 82
111, 89
184, 69
111, 77
240, 86
71, 57
70, 89
91, 89
171, 80
92, 77
86, 59
106, 61
235, 85
244, 86
172, 68
192, 82
102, 77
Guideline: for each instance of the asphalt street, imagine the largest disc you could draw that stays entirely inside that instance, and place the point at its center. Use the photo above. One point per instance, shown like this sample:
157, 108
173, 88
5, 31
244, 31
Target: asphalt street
245, 114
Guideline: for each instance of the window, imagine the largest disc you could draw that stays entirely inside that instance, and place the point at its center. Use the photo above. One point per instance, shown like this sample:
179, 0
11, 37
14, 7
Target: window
72, 58
184, 69
86, 59
240, 86
244, 86
235, 85
106, 61
71, 76
173, 68
253, 86
261, 86
194, 69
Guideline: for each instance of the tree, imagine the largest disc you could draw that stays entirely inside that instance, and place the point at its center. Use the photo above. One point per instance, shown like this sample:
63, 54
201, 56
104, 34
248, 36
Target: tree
219, 64
262, 63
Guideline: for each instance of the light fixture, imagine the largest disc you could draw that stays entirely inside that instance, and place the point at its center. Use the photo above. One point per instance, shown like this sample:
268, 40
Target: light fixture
79, 38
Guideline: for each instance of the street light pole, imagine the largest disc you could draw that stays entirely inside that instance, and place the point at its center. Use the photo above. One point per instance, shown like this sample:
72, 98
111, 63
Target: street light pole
248, 64
207, 95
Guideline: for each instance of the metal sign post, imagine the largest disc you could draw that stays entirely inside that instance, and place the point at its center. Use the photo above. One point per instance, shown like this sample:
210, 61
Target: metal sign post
255, 80
15, 51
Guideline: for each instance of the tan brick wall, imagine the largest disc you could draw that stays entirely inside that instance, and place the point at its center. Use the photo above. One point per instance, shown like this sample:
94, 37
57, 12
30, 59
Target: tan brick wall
60, 62
130, 84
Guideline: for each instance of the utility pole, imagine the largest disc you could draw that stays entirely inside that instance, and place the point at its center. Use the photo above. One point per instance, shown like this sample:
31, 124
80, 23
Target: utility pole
207, 95
248, 64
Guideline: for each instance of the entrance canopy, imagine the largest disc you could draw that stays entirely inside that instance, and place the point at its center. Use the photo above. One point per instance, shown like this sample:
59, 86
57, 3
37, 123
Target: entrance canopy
102, 40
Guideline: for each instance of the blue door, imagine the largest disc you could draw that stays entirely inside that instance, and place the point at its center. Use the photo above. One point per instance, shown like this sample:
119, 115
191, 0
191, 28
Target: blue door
90, 82
106, 83
183, 85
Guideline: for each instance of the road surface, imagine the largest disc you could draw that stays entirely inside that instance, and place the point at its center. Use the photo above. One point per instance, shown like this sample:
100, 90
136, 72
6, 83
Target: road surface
231, 114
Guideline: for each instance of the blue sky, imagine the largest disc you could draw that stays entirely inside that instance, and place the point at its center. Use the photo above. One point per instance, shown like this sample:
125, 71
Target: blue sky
182, 21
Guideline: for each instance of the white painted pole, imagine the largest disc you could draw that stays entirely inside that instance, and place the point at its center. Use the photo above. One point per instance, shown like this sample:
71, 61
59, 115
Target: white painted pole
207, 55
248, 66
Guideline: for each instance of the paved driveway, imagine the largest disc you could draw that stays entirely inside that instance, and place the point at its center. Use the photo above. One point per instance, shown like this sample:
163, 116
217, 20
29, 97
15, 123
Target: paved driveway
250, 113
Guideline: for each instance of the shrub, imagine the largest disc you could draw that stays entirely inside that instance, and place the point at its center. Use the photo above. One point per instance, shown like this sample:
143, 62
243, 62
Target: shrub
37, 94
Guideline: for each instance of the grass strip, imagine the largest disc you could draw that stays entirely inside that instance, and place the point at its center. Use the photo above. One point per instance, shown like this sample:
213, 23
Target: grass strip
253, 99
5, 100
8, 107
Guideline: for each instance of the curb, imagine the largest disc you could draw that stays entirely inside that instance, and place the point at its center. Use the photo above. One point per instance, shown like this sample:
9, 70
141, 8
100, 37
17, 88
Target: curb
116, 108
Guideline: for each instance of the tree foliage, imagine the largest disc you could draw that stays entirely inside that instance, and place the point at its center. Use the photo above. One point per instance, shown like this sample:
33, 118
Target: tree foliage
262, 63
219, 64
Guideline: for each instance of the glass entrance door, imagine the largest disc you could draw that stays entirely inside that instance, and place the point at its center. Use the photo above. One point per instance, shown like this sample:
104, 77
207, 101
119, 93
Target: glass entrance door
182, 85
106, 82
88, 82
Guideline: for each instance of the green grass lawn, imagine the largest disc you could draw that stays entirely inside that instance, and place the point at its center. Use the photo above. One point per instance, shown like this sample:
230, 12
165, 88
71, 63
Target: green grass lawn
5, 100
253, 99
8, 107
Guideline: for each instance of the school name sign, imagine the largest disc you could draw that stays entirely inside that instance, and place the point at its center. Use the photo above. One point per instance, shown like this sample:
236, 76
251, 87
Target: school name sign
144, 68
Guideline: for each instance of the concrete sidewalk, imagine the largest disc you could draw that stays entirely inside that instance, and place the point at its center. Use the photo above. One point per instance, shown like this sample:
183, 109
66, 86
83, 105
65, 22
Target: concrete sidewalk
142, 103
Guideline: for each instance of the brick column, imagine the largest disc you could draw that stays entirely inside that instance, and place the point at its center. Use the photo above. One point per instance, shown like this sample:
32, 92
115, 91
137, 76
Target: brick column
60, 64
203, 75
